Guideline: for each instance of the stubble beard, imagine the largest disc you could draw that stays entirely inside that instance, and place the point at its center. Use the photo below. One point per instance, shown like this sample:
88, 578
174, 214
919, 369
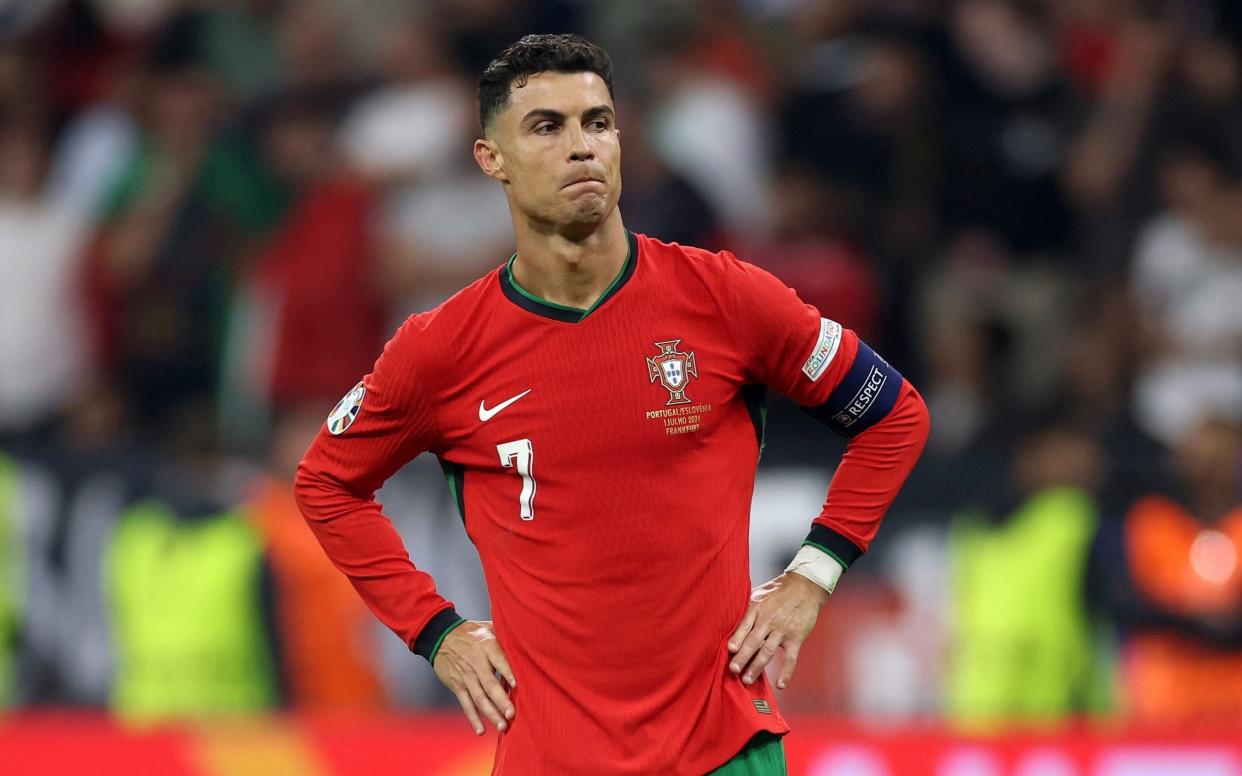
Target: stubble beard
588, 210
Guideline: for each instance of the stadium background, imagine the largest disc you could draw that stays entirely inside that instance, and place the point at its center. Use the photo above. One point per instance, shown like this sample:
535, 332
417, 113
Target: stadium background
212, 214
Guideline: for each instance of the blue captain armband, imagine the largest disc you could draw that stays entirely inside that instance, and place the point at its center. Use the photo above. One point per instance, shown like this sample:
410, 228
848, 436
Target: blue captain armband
866, 394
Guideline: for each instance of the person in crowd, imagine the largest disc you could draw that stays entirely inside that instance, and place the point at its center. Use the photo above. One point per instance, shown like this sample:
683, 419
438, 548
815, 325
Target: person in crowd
188, 206
188, 593
1185, 283
45, 350
659, 201
1022, 645
1169, 574
328, 657
317, 277
438, 225
579, 294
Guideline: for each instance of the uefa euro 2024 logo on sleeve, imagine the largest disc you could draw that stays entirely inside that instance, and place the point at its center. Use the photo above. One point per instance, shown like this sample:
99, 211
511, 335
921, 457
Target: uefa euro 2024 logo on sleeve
673, 368
346, 410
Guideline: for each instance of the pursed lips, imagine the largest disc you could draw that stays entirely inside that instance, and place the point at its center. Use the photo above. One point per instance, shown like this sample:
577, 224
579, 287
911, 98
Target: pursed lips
585, 179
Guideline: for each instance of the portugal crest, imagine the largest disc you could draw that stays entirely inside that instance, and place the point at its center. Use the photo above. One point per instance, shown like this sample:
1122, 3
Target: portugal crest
673, 368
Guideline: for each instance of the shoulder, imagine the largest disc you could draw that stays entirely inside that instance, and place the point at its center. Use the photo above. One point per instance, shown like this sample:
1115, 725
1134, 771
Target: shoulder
687, 258
468, 311
688, 266
731, 282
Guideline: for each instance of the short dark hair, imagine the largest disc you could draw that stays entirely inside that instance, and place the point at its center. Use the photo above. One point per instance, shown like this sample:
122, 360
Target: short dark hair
535, 54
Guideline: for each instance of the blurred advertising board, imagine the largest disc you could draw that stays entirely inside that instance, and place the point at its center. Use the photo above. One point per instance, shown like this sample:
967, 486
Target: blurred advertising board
441, 744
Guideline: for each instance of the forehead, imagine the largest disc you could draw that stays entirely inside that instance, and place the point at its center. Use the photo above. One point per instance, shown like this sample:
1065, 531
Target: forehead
568, 93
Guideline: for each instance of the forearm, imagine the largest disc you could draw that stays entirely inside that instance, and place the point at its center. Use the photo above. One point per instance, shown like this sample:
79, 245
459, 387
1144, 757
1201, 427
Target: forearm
872, 471
362, 543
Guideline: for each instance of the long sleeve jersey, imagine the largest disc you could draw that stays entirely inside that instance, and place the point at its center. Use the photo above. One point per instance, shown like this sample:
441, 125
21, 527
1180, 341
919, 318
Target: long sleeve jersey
603, 461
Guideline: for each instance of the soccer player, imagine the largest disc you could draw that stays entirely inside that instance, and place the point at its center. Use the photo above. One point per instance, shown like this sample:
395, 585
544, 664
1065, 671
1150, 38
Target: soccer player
597, 406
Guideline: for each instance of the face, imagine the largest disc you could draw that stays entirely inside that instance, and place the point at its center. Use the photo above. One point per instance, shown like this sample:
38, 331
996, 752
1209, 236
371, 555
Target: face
557, 149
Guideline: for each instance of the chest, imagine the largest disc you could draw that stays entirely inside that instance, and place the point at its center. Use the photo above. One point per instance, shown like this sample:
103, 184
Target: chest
635, 384
638, 425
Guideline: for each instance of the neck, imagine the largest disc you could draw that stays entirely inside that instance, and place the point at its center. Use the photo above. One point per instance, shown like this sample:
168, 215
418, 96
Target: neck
573, 269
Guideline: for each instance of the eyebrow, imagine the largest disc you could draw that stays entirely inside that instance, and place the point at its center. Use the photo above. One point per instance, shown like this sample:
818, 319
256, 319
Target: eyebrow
541, 114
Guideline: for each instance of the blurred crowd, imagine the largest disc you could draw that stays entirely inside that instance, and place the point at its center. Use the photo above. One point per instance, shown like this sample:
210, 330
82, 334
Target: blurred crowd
214, 212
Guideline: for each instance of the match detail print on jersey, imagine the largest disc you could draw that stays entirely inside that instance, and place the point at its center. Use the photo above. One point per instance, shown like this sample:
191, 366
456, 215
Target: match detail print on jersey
673, 367
825, 349
485, 414
346, 410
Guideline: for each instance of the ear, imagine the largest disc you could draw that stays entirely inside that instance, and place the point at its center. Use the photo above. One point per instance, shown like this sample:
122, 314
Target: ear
490, 160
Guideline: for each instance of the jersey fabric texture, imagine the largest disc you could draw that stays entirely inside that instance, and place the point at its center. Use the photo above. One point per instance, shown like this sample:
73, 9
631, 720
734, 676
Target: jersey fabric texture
604, 462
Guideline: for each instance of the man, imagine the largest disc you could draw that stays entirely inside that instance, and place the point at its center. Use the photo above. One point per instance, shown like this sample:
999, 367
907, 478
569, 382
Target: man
596, 404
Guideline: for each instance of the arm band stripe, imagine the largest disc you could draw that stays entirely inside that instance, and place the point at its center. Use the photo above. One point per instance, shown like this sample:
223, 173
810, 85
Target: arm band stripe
865, 395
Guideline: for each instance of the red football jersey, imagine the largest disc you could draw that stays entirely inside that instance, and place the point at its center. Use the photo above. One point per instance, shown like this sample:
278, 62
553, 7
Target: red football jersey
604, 462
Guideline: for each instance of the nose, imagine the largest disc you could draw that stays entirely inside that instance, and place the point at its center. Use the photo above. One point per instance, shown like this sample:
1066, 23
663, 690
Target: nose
579, 148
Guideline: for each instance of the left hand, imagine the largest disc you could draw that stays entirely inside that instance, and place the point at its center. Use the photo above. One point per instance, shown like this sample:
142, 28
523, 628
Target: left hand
780, 615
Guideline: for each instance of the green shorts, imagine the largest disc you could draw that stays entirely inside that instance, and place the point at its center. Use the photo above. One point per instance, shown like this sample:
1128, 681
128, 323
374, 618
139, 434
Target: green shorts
763, 755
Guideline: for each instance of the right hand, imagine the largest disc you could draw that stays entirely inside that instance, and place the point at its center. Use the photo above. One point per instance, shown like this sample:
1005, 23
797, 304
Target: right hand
467, 662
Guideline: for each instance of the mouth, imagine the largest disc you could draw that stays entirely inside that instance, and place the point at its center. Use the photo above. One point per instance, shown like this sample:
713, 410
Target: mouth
583, 181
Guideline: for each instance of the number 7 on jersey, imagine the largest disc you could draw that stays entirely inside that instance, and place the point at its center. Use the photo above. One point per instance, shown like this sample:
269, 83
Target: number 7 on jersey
521, 455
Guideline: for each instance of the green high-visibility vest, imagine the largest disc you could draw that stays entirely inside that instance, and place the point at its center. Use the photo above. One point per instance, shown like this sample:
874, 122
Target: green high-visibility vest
187, 616
1021, 646
11, 595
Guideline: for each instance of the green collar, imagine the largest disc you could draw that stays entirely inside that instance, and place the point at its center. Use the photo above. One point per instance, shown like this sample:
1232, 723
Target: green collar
559, 312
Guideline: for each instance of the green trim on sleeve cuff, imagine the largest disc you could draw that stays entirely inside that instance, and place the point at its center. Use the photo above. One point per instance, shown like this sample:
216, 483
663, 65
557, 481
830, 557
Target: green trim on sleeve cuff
435, 649
841, 548
826, 551
429, 638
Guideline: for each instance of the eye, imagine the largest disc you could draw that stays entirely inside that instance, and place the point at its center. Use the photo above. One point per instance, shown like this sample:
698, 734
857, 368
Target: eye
545, 128
599, 125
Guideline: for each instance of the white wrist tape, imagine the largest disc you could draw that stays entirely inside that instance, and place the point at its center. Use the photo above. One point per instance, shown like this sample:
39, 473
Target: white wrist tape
817, 566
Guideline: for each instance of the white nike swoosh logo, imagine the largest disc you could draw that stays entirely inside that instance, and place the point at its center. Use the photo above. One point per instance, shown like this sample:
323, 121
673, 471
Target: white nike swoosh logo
485, 414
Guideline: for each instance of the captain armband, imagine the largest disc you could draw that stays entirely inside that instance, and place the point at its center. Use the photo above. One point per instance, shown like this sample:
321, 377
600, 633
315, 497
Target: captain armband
866, 394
